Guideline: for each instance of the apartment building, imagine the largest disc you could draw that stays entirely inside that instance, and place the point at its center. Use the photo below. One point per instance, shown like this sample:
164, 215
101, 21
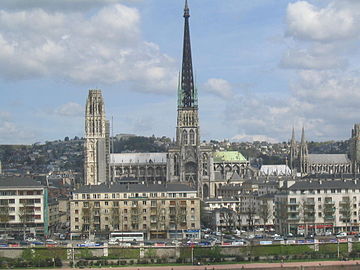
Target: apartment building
23, 206
159, 211
316, 206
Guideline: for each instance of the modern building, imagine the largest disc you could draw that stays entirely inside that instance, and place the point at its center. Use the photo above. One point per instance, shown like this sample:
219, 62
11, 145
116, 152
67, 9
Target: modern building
162, 211
316, 206
23, 206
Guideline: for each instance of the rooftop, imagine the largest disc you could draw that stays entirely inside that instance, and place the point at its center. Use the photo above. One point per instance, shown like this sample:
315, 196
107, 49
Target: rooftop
325, 184
229, 156
103, 188
138, 158
11, 181
328, 159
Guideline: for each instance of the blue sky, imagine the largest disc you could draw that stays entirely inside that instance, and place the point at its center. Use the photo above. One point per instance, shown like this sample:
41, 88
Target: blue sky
262, 67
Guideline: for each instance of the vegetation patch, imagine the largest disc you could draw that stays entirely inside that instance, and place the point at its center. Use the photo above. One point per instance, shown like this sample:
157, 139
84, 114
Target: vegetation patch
124, 253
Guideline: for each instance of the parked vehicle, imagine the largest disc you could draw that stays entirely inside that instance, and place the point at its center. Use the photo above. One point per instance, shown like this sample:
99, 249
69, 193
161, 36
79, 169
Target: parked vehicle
341, 234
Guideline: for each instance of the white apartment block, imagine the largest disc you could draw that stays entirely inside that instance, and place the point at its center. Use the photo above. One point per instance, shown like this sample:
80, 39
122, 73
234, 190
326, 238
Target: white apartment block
23, 206
316, 206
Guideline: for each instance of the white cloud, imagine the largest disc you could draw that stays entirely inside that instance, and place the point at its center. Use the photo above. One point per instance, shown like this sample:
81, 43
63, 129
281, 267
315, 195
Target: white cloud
253, 138
70, 109
11, 132
103, 48
219, 87
305, 59
308, 22
58, 5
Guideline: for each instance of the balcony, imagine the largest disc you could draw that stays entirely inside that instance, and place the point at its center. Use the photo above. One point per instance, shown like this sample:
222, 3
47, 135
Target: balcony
294, 218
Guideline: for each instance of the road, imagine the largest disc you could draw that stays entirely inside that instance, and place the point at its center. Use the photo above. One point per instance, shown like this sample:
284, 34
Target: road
263, 266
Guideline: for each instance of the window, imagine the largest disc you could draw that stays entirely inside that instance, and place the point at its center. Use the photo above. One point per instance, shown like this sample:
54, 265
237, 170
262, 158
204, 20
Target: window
125, 211
319, 199
106, 203
144, 202
76, 219
144, 218
192, 225
192, 202
116, 204
106, 196
292, 200
185, 137
76, 227
192, 137
144, 210
76, 211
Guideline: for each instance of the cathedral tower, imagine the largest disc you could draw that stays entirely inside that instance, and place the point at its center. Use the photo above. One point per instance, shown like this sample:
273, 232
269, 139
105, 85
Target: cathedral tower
303, 153
293, 151
355, 148
188, 161
96, 140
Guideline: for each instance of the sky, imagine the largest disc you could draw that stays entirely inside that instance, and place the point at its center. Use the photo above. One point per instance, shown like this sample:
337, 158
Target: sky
262, 67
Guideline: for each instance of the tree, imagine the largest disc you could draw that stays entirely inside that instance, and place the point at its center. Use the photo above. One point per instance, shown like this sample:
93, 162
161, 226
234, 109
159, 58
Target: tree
281, 215
307, 212
115, 218
4, 212
26, 213
328, 210
346, 211
250, 213
265, 212
229, 217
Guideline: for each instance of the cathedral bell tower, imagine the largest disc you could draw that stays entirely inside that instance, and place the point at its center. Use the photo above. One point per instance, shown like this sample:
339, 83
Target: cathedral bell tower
97, 143
189, 162
303, 154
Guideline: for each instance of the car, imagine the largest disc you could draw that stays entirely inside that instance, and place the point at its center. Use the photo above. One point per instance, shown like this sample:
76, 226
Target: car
279, 238
328, 233
30, 239
50, 241
341, 234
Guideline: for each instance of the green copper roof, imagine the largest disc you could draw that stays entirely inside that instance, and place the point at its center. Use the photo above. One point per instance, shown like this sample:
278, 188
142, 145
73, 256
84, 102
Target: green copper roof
229, 156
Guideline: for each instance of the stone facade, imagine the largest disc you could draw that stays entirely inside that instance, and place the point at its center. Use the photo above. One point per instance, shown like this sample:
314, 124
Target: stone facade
97, 144
157, 210
306, 163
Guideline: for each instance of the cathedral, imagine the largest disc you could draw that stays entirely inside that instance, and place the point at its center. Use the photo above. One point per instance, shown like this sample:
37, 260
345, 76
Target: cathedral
304, 163
187, 161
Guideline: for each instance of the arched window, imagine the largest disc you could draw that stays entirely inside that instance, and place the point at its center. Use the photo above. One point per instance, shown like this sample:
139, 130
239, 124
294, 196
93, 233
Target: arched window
205, 164
185, 137
192, 137
176, 165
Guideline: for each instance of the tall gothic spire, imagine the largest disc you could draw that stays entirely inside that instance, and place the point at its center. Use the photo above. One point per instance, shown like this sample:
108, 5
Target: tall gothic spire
303, 136
293, 136
187, 91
